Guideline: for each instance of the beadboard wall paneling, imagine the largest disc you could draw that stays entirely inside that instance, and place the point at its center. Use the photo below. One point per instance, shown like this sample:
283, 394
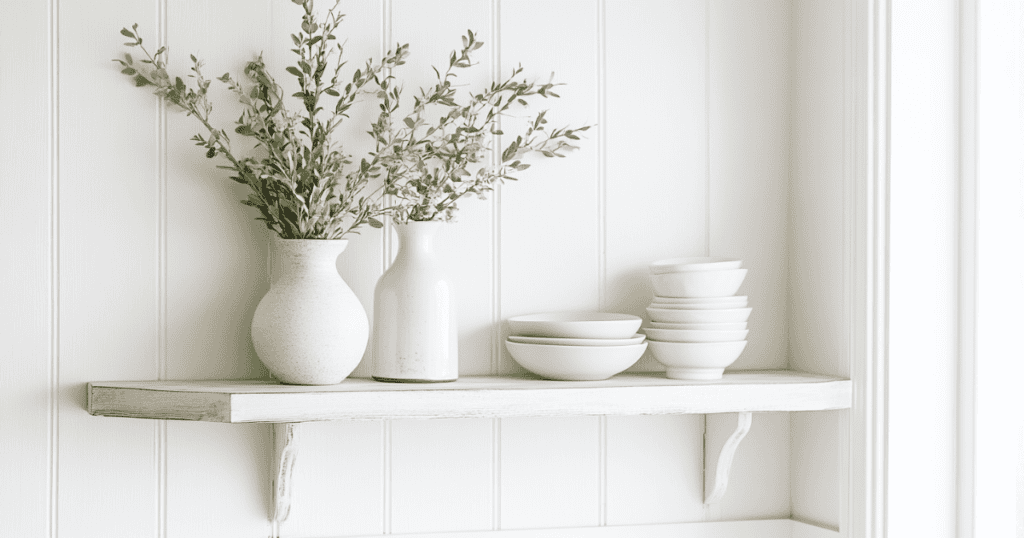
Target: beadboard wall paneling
749, 138
109, 265
216, 272
442, 471
818, 246
652, 453
28, 178
160, 268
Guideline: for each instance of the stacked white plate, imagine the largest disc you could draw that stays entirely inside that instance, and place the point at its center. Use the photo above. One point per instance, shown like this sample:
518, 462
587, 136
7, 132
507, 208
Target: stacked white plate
698, 324
575, 346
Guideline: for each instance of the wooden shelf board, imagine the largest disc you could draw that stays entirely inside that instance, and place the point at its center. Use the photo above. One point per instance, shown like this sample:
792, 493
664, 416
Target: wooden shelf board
264, 400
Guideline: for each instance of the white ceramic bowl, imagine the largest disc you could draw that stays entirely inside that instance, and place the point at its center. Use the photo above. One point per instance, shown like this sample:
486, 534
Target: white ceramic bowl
728, 315
736, 326
575, 363
692, 360
575, 325
712, 283
707, 263
701, 306
670, 335
578, 341
700, 300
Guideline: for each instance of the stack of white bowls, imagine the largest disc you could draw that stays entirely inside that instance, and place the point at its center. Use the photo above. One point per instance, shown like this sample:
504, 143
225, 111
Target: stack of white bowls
575, 346
698, 323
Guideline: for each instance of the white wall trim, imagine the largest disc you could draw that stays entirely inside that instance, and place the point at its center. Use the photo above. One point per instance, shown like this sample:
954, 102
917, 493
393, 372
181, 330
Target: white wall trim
967, 259
868, 417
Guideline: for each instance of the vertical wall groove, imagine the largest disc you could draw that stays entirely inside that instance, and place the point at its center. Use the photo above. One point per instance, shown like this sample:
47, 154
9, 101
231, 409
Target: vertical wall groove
602, 238
496, 344
161, 285
386, 257
707, 127
53, 426
385, 42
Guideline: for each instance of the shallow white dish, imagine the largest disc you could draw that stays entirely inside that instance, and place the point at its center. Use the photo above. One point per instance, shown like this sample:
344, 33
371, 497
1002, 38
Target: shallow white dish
575, 325
710, 283
701, 306
732, 326
697, 263
732, 299
686, 335
728, 315
696, 360
636, 339
575, 363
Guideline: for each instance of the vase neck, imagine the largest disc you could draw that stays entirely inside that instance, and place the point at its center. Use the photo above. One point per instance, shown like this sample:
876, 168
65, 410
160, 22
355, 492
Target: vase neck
293, 257
416, 237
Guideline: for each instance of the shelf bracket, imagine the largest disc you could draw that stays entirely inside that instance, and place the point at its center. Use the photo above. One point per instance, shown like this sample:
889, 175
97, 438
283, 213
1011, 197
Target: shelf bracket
286, 437
725, 459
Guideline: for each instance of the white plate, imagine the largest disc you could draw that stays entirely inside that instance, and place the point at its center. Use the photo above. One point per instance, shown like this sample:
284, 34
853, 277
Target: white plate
701, 306
730, 315
708, 263
575, 325
578, 341
735, 326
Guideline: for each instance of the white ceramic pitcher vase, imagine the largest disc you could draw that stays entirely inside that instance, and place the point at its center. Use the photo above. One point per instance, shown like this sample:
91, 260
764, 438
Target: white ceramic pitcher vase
310, 328
415, 333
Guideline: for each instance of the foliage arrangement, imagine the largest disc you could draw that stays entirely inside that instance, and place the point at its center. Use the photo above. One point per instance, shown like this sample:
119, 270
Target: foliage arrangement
302, 183
431, 164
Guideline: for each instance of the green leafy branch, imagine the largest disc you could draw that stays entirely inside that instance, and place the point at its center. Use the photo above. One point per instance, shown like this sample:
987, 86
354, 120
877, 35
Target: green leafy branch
299, 184
431, 165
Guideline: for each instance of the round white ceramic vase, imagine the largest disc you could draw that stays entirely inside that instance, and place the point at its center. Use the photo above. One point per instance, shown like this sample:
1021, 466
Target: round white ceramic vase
310, 328
415, 333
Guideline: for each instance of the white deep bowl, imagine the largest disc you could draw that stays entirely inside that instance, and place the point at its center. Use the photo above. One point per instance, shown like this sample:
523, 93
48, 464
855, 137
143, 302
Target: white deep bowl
575, 325
636, 339
670, 335
742, 303
575, 363
705, 263
735, 326
728, 315
711, 283
696, 360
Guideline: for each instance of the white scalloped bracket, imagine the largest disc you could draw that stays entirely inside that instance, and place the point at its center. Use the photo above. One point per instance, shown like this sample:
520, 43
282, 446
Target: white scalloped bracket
286, 437
724, 465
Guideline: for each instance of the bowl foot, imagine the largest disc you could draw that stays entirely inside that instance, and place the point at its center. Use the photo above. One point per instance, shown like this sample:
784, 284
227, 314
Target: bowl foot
694, 373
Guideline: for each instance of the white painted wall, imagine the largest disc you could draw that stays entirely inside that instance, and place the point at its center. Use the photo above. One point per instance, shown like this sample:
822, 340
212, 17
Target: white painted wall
128, 257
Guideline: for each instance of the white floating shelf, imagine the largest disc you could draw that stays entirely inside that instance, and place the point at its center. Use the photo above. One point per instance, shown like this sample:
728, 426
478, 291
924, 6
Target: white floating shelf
238, 401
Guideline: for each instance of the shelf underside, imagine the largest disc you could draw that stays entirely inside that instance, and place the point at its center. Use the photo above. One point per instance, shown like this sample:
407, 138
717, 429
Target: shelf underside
262, 400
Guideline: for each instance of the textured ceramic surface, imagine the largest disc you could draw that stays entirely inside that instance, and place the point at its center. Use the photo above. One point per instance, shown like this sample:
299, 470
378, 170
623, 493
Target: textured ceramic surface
575, 325
310, 328
739, 300
701, 306
575, 363
734, 326
415, 331
578, 341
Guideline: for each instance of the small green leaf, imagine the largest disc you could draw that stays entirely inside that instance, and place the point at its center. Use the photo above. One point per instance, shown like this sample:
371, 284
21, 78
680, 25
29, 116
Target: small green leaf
128, 71
211, 153
127, 33
374, 222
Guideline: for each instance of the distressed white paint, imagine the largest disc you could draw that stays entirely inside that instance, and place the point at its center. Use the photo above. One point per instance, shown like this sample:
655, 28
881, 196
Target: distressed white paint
158, 267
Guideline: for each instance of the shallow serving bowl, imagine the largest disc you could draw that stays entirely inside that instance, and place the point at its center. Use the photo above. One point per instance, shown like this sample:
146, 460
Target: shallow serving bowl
670, 335
636, 339
711, 283
728, 315
575, 363
575, 325
742, 303
733, 326
691, 360
686, 301
706, 263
